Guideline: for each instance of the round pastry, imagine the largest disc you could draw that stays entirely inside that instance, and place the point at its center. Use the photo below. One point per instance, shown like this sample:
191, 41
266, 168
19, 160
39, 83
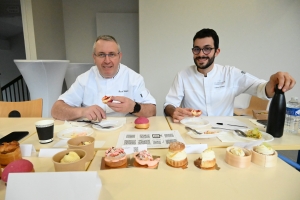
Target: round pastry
264, 149
115, 157
9, 151
70, 157
145, 158
207, 159
196, 113
17, 166
141, 123
176, 156
237, 151
106, 99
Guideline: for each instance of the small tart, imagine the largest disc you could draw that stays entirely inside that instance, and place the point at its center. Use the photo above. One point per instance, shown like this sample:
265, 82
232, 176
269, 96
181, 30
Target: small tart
115, 157
196, 113
106, 99
145, 158
176, 156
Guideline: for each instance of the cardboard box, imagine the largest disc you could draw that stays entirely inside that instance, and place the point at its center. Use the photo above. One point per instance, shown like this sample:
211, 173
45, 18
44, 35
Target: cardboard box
260, 114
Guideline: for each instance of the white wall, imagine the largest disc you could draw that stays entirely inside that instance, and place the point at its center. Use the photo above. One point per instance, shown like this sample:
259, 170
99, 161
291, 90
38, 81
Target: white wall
258, 36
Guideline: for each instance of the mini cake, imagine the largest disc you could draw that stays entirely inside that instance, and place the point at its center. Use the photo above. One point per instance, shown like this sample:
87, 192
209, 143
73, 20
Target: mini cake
207, 159
196, 113
264, 155
145, 158
106, 99
9, 151
115, 157
176, 156
141, 123
17, 166
237, 151
238, 157
70, 157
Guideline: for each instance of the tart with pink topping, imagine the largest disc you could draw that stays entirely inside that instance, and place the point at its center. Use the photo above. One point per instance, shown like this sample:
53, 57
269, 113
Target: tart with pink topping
115, 157
141, 123
196, 113
144, 158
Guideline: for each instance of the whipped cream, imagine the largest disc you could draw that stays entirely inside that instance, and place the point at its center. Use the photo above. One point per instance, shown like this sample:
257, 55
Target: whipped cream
237, 151
177, 156
263, 149
208, 154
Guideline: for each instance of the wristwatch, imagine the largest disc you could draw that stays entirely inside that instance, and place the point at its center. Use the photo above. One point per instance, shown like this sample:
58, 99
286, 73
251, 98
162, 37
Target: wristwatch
137, 108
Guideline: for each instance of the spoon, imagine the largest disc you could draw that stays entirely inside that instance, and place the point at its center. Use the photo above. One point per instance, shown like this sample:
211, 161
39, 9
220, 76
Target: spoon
241, 133
199, 133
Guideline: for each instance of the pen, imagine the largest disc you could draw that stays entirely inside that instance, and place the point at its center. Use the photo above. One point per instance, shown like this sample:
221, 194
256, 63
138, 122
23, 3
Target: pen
233, 125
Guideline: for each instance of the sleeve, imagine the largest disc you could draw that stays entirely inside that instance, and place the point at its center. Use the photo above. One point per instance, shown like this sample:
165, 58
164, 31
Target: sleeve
176, 93
142, 94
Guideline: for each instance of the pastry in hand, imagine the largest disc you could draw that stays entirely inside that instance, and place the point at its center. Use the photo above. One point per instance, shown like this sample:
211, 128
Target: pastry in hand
196, 113
207, 159
106, 99
141, 123
176, 156
145, 158
70, 157
115, 157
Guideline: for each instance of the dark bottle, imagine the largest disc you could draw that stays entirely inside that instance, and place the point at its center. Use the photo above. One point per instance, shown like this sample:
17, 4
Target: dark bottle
276, 114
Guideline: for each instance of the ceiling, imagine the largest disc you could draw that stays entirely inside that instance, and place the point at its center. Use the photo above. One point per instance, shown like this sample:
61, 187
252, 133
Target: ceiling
10, 18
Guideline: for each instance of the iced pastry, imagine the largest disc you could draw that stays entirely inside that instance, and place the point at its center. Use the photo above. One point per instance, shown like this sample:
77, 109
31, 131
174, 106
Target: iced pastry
207, 159
70, 157
176, 156
106, 99
17, 166
237, 151
141, 123
264, 149
196, 113
115, 157
145, 158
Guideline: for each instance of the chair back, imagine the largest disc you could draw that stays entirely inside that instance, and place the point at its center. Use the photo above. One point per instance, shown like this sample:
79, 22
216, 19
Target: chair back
31, 108
255, 104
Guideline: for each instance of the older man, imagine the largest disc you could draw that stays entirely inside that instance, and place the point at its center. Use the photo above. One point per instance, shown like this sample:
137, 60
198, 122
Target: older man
108, 78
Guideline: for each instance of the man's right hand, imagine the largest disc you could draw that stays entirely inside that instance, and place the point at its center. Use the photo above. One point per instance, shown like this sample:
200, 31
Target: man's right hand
94, 113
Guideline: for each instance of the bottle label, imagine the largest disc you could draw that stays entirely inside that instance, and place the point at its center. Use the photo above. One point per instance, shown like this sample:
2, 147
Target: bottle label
293, 111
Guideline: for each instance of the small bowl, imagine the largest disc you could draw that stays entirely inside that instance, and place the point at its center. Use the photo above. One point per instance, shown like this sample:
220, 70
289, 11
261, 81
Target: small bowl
238, 161
89, 149
264, 160
7, 158
74, 166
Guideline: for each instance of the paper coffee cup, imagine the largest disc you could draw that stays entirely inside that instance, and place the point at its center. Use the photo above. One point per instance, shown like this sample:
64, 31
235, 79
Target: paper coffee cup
45, 130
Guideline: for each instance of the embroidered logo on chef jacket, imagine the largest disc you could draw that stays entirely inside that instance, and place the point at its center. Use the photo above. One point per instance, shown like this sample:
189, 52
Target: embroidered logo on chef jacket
121, 91
219, 84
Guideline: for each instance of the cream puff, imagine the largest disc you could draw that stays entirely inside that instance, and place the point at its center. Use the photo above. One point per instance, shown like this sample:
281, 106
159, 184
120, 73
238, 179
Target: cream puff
196, 113
106, 99
141, 123
144, 158
176, 156
115, 157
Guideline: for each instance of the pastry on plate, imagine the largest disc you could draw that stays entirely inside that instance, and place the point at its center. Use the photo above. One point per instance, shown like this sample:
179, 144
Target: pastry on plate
196, 113
115, 157
145, 158
141, 123
106, 99
176, 156
207, 159
17, 166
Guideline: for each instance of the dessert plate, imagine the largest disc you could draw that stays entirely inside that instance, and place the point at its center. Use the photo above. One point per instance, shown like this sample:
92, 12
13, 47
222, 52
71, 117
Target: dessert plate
265, 136
195, 122
206, 133
74, 132
114, 123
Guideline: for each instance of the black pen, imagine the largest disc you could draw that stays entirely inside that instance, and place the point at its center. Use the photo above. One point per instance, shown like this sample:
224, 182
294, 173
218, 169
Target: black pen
233, 125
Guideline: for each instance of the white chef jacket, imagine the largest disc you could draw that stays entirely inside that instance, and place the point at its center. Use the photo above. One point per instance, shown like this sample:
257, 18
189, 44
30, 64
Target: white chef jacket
90, 87
214, 94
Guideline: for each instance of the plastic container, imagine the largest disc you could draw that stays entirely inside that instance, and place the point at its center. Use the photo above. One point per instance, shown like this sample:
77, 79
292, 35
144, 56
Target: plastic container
292, 115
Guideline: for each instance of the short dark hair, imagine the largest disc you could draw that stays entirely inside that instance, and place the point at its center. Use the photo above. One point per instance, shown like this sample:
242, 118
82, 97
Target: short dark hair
206, 32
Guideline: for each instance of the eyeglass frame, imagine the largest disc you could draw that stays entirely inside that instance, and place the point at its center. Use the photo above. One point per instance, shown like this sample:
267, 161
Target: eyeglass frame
207, 48
110, 55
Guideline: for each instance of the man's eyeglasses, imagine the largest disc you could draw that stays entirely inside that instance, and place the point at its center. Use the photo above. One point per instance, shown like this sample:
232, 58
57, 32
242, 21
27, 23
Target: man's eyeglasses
205, 50
103, 55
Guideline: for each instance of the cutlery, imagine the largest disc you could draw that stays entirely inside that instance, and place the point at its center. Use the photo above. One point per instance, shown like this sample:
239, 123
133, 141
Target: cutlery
96, 123
241, 133
199, 133
233, 125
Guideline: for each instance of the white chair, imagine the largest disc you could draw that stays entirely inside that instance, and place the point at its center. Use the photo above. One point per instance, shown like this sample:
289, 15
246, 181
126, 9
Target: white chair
74, 70
44, 79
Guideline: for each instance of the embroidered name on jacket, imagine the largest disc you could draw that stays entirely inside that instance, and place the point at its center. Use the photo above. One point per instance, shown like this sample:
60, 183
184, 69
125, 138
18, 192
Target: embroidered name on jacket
219, 84
123, 90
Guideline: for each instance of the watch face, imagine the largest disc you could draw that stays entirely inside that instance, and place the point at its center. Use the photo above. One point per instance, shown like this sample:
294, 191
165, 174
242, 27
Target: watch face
137, 108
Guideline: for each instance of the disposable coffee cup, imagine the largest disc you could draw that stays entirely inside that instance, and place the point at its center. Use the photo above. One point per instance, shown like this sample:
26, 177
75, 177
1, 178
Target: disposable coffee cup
45, 129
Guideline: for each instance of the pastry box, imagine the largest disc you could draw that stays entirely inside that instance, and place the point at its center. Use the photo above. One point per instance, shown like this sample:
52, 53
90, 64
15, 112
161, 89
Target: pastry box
238, 161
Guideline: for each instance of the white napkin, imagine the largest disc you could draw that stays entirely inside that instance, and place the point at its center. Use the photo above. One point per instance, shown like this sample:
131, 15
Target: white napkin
228, 137
254, 121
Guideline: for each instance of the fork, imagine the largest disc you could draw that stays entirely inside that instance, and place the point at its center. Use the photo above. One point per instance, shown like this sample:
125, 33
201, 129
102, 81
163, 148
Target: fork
199, 133
96, 123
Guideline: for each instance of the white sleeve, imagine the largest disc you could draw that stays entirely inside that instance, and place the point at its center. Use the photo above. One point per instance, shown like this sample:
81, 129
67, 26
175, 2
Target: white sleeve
176, 94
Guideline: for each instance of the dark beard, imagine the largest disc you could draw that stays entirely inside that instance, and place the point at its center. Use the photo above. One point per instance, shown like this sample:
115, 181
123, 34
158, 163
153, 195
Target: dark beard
210, 61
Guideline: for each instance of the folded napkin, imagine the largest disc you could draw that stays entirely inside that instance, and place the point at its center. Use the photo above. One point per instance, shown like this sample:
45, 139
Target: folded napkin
228, 137
259, 125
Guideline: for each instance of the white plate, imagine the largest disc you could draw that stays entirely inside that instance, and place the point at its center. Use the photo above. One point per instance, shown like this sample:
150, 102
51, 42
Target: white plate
265, 136
115, 123
74, 132
195, 122
79, 124
216, 132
